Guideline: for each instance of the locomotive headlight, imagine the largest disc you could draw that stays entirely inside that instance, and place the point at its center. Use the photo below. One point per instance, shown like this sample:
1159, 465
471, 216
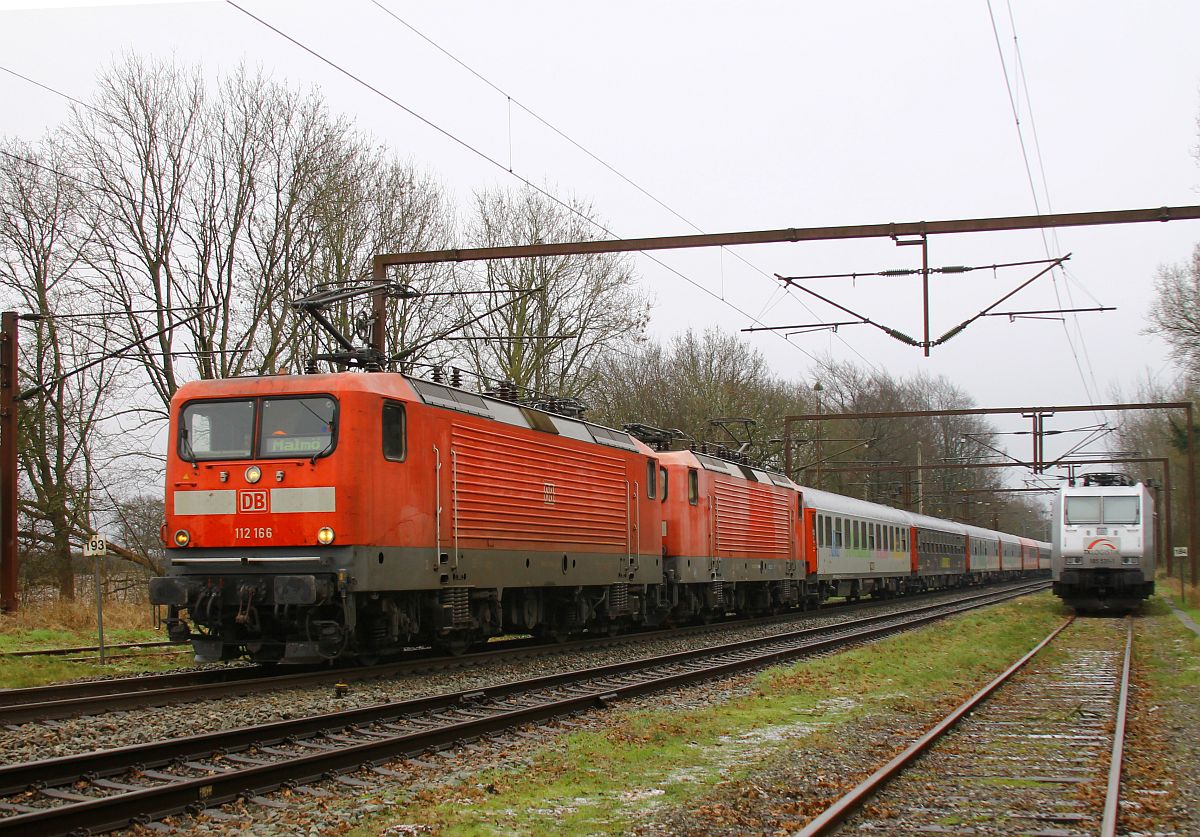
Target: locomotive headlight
325, 536
253, 474
183, 537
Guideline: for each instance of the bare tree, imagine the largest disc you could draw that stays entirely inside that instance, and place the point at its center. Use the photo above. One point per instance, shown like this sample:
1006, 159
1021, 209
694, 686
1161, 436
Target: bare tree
379, 204
1175, 312
557, 316
138, 145
43, 236
695, 378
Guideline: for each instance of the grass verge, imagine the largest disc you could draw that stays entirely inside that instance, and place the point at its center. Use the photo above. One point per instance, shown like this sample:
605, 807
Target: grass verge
68, 624
605, 781
1162, 755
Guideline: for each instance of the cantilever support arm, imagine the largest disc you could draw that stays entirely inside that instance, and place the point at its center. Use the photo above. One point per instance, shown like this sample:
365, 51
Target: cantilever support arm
890, 332
961, 326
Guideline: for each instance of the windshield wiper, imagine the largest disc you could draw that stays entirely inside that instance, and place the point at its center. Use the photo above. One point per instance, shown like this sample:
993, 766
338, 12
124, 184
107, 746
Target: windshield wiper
328, 445
187, 441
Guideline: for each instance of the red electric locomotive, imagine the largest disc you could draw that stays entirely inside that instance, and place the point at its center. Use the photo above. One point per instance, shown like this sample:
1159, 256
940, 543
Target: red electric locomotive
310, 515
731, 539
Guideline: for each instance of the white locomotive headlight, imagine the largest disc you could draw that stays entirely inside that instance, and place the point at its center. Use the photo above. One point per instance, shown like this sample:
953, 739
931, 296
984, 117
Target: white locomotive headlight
182, 537
253, 474
325, 536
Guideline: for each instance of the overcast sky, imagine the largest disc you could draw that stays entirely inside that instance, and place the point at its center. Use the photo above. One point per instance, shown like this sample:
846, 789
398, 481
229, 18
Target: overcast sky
763, 115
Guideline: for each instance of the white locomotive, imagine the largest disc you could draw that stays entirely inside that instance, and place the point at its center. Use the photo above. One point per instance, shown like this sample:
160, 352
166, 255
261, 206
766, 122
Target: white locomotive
1103, 543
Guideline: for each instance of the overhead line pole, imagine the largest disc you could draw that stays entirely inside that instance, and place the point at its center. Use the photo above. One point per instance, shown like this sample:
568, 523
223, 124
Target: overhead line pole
9, 575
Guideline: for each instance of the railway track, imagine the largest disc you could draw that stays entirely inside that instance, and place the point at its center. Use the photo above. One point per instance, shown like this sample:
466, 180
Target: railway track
119, 647
111, 789
41, 703
1037, 751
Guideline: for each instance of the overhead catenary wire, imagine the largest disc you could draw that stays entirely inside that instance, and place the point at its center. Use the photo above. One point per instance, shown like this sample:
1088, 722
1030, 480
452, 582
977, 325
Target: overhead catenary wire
493, 161
511, 100
1009, 89
1037, 147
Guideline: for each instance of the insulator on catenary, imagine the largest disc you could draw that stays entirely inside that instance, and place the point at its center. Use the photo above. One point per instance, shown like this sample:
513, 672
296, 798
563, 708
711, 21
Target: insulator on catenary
951, 333
901, 336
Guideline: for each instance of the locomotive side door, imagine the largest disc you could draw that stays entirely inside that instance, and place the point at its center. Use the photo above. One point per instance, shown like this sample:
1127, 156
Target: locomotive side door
795, 536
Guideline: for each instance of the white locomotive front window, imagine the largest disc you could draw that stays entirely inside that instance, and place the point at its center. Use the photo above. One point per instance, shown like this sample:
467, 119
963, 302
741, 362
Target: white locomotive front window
1082, 510
1122, 510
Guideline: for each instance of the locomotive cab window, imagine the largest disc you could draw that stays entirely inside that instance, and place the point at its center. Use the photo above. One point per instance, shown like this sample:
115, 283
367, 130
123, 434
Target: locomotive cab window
662, 476
216, 430
297, 427
693, 486
1082, 510
651, 479
1122, 510
395, 432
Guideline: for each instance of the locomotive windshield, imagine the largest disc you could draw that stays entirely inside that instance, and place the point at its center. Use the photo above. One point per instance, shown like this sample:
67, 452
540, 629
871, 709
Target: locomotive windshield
1083, 511
297, 427
216, 430
1122, 510
288, 427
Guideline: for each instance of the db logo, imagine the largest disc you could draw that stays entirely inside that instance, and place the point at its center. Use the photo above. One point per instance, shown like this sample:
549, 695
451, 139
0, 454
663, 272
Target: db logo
252, 501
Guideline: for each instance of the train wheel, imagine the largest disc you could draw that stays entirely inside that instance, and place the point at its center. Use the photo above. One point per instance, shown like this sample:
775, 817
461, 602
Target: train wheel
557, 634
457, 644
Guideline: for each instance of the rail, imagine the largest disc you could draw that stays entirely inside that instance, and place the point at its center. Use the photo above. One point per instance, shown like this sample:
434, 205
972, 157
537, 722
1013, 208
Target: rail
255, 760
856, 798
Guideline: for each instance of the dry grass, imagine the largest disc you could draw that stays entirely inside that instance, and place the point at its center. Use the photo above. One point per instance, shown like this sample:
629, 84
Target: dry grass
78, 615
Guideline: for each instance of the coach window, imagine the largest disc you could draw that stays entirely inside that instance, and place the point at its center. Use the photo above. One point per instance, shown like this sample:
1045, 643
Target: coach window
837, 532
651, 479
871, 536
395, 440
662, 474
693, 487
